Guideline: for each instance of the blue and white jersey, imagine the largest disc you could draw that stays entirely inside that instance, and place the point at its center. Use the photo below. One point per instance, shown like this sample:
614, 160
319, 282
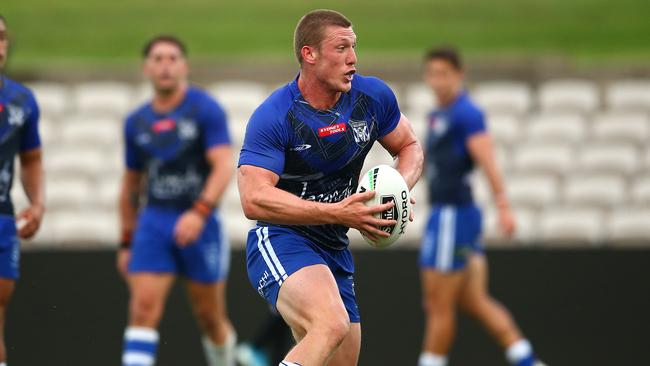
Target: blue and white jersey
448, 161
171, 147
19, 115
318, 154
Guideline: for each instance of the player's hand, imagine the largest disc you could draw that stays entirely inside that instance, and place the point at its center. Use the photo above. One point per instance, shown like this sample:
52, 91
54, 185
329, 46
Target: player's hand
353, 212
123, 259
188, 228
507, 221
29, 220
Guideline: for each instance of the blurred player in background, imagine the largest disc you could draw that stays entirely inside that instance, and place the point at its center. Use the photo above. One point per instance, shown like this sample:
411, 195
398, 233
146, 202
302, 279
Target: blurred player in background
299, 167
18, 136
453, 265
179, 144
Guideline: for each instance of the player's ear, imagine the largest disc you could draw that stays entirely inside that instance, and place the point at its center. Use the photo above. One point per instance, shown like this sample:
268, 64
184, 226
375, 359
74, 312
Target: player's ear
309, 54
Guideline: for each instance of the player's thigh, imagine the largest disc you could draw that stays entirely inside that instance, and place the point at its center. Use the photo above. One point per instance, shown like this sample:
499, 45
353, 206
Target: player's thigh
149, 290
207, 299
475, 287
6, 291
441, 289
348, 352
311, 297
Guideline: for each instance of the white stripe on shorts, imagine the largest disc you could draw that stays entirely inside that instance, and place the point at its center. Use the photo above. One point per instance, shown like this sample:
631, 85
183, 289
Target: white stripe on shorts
276, 261
260, 247
446, 234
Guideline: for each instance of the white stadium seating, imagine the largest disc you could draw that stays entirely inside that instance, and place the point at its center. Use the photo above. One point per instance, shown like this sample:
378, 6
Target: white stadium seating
579, 96
576, 170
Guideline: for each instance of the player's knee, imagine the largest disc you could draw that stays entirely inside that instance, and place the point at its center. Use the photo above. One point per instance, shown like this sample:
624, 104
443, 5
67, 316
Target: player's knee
145, 309
335, 329
208, 320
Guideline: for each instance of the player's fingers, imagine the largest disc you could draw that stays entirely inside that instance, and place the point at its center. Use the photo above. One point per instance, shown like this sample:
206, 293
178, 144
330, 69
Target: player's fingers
381, 222
363, 196
375, 231
381, 208
368, 235
412, 200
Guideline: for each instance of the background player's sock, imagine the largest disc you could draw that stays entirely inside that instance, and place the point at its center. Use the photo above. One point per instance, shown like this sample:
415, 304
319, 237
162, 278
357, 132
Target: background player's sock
220, 355
432, 359
520, 353
3, 364
287, 363
140, 346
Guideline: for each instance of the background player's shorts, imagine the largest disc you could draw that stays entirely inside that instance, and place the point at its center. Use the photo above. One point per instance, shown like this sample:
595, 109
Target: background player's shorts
273, 254
154, 248
9, 248
452, 234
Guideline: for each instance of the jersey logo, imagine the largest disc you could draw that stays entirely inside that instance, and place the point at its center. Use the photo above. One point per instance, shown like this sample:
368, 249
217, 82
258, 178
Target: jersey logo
163, 125
438, 125
302, 147
187, 129
16, 115
332, 130
361, 131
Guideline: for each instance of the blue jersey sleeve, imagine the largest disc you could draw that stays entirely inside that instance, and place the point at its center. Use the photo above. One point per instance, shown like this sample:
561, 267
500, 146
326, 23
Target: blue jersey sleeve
472, 123
30, 138
215, 125
132, 157
265, 141
390, 113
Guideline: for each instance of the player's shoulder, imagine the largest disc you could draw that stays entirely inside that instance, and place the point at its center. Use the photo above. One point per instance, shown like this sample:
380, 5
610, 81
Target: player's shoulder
467, 108
18, 89
372, 86
206, 102
277, 104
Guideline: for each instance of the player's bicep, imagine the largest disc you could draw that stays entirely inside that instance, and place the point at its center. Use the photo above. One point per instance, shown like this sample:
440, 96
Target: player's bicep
480, 147
31, 156
220, 155
402, 136
251, 179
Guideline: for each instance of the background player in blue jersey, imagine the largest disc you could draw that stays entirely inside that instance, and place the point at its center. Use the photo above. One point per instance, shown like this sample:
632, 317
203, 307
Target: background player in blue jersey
454, 269
18, 136
179, 143
298, 169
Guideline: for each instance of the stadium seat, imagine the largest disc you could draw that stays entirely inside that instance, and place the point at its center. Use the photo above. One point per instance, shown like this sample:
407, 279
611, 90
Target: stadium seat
69, 193
604, 191
536, 191
568, 226
504, 128
77, 228
103, 98
52, 98
579, 96
629, 95
418, 98
629, 227
48, 131
641, 191
543, 159
239, 98
87, 162
89, 131
622, 128
107, 192
237, 129
556, 128
605, 158
503, 97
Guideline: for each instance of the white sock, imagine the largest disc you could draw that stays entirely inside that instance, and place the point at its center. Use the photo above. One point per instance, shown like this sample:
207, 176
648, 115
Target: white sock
432, 359
287, 363
140, 344
3, 364
518, 351
221, 355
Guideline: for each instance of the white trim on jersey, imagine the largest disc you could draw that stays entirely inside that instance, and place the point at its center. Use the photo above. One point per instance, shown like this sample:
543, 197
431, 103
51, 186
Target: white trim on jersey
260, 247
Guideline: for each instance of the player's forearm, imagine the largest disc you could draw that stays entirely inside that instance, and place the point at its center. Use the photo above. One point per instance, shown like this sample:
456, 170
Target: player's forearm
128, 203
268, 203
409, 163
217, 182
32, 177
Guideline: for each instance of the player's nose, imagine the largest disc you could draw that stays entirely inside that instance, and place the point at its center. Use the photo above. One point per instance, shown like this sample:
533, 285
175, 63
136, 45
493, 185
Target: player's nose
352, 57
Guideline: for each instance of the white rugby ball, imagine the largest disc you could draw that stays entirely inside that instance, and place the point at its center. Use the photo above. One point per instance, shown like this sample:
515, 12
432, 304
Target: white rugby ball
389, 185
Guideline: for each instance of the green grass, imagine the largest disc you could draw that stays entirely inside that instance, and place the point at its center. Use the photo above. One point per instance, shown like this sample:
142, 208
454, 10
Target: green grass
47, 32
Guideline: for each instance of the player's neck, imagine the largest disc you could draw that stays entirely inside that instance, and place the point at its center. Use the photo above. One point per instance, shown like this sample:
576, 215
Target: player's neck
316, 93
451, 99
164, 102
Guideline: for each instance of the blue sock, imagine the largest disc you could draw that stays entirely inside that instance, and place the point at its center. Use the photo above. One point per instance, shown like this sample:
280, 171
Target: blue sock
520, 353
140, 346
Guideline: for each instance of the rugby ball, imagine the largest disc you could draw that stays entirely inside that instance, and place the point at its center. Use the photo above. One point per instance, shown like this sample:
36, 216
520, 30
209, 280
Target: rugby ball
389, 185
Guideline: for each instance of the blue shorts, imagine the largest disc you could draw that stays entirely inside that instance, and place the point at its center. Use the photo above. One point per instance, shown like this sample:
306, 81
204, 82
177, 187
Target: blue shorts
273, 254
452, 234
154, 248
9, 248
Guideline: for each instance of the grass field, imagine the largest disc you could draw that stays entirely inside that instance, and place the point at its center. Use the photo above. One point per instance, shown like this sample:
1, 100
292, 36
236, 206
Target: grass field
93, 31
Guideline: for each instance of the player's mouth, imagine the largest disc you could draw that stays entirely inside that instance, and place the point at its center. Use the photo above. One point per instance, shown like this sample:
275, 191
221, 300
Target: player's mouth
349, 75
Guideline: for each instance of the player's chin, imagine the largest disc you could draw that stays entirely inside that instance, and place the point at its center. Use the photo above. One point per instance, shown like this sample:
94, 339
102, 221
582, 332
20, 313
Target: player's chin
345, 86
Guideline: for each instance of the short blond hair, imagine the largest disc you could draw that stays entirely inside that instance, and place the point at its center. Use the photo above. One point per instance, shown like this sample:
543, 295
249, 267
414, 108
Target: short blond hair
309, 31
